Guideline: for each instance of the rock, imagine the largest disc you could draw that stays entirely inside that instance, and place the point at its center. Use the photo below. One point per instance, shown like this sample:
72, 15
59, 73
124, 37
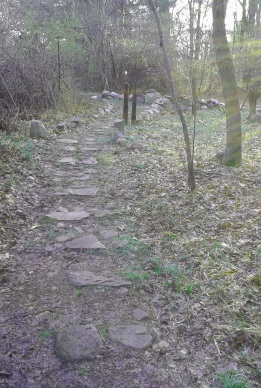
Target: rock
69, 148
64, 215
106, 110
67, 160
115, 95
122, 141
151, 91
88, 241
204, 107
87, 278
77, 343
94, 97
140, 99
211, 105
202, 101
156, 111
108, 233
101, 112
86, 191
120, 125
151, 97
106, 94
102, 213
61, 126
157, 106
117, 135
38, 130
68, 141
140, 315
76, 120
133, 336
161, 347
90, 160
214, 101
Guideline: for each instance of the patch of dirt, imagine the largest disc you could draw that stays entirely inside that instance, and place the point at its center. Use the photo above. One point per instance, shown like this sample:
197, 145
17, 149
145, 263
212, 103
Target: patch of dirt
193, 259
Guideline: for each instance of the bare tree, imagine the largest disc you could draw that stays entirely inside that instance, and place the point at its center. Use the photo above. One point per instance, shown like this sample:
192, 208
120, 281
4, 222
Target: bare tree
191, 177
233, 153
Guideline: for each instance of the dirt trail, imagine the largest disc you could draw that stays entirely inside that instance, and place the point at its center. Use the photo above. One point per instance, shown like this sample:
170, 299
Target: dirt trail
44, 307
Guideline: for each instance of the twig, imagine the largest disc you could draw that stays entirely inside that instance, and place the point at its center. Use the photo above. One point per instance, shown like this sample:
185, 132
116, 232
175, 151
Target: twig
68, 265
215, 342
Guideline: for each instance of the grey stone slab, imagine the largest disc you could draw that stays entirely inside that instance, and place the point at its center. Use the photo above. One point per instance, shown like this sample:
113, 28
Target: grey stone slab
90, 160
77, 343
88, 241
64, 215
87, 278
108, 233
132, 336
67, 160
140, 315
67, 141
102, 213
85, 191
90, 149
69, 148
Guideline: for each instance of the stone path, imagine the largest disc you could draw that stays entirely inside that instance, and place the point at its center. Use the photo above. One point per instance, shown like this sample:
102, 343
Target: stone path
83, 342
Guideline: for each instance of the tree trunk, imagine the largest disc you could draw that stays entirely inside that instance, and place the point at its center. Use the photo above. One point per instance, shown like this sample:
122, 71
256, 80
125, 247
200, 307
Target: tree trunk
191, 177
233, 150
252, 98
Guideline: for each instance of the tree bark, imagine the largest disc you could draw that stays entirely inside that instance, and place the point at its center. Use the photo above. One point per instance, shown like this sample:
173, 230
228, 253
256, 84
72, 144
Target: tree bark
233, 150
191, 177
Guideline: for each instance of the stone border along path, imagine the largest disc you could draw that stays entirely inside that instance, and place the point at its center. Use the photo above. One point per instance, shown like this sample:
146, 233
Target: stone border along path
69, 318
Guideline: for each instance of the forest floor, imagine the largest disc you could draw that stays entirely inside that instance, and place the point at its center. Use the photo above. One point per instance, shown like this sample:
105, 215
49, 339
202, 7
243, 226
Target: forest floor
179, 304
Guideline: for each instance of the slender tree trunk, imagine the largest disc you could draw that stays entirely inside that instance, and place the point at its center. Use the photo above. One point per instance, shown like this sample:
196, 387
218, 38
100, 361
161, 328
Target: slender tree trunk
233, 152
191, 177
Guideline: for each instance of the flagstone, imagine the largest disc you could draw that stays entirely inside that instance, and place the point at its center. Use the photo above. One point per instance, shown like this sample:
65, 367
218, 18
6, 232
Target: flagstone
133, 336
85, 191
69, 148
108, 233
67, 160
64, 215
90, 160
67, 141
87, 278
88, 241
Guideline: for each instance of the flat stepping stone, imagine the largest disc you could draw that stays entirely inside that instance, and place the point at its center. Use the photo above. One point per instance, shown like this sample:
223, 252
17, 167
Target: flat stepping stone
64, 215
140, 315
90, 149
88, 241
132, 336
68, 141
87, 278
69, 148
90, 160
85, 191
103, 213
108, 233
77, 343
68, 160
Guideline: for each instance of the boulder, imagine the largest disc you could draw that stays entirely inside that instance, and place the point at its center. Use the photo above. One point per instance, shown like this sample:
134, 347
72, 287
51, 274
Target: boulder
77, 343
117, 135
106, 94
140, 98
156, 106
38, 130
151, 97
119, 124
